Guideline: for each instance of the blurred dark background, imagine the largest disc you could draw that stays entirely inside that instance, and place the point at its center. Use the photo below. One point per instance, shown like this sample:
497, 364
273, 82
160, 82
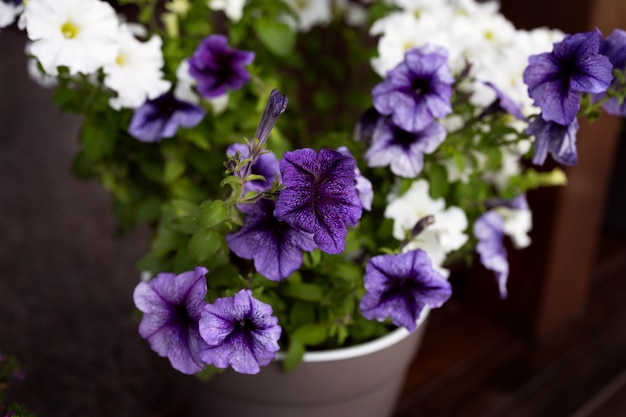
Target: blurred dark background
66, 282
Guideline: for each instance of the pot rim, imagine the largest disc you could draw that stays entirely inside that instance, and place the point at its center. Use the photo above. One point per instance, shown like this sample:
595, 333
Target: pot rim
362, 349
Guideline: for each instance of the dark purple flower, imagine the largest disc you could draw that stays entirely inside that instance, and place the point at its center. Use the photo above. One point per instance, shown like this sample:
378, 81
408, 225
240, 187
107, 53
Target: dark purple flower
614, 48
489, 230
319, 196
400, 286
403, 151
160, 118
218, 68
276, 105
275, 247
363, 186
556, 79
239, 331
172, 305
366, 125
417, 90
503, 103
266, 165
557, 139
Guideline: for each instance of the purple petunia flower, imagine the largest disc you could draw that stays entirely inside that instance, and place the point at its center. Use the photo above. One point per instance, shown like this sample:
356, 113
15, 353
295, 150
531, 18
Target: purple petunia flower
266, 165
614, 48
417, 90
218, 68
557, 139
489, 230
275, 247
172, 305
366, 126
160, 118
556, 79
319, 196
239, 331
403, 151
400, 286
363, 186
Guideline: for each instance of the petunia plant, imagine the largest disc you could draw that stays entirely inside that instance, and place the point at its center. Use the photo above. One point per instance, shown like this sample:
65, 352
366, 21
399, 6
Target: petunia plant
311, 170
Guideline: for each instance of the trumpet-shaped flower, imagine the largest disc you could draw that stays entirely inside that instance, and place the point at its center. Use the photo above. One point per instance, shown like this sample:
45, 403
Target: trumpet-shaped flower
417, 90
403, 151
233, 9
240, 331
160, 118
78, 34
136, 74
275, 247
319, 196
614, 48
555, 138
489, 230
400, 286
556, 79
172, 305
217, 67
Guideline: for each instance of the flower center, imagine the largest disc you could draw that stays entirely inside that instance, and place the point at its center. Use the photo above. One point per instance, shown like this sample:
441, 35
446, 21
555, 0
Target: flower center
120, 60
69, 30
420, 86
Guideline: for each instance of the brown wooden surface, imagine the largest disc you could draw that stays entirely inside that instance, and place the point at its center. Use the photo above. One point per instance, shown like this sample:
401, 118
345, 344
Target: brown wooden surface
470, 367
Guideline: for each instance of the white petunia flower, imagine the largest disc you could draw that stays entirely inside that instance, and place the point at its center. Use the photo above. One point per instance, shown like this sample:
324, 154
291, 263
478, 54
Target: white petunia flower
78, 34
517, 224
32, 67
136, 74
310, 13
446, 234
8, 13
232, 8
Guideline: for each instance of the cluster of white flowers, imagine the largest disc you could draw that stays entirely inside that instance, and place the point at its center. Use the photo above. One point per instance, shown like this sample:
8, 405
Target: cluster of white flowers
471, 32
86, 36
479, 35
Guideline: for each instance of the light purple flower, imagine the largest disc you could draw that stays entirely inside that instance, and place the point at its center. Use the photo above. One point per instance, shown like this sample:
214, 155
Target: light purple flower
489, 230
403, 151
614, 48
363, 186
400, 286
217, 67
516, 203
239, 331
160, 118
557, 139
172, 305
275, 247
319, 196
417, 90
556, 79
266, 165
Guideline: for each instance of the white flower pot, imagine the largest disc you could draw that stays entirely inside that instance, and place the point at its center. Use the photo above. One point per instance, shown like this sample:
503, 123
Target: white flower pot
363, 380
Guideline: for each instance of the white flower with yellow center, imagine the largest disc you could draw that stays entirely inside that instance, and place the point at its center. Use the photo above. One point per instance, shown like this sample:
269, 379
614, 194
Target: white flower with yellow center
136, 72
78, 34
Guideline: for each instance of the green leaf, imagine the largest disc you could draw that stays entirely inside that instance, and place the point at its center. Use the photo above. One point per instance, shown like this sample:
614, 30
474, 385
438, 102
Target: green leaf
310, 334
294, 356
304, 292
204, 244
438, 181
187, 224
301, 313
459, 161
277, 37
213, 214
174, 169
98, 139
494, 158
